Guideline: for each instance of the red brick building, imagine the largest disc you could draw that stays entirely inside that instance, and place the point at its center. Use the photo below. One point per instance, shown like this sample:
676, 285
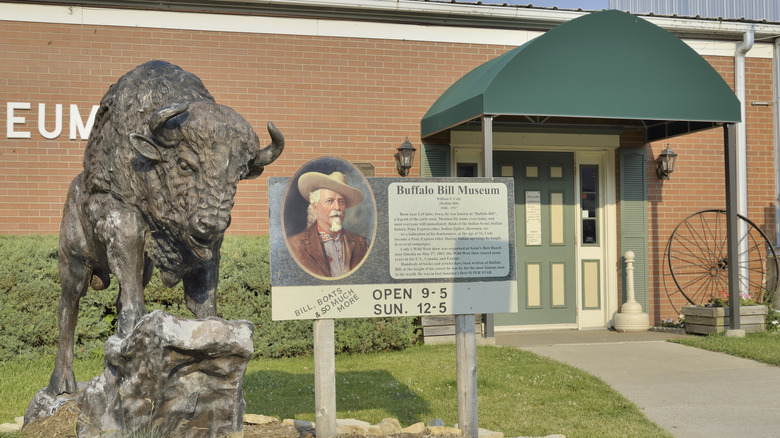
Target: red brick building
352, 79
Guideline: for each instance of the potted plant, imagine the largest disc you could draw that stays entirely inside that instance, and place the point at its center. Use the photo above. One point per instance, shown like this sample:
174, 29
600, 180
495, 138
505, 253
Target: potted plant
713, 317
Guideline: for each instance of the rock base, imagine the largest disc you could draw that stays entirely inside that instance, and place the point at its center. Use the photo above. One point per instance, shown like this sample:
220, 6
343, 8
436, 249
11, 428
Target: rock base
170, 377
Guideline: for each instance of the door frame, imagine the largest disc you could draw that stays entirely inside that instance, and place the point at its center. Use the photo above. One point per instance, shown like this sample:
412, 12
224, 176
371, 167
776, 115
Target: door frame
588, 148
608, 248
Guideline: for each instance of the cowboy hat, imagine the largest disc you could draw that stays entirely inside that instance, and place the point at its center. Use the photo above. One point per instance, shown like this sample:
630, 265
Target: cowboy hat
336, 181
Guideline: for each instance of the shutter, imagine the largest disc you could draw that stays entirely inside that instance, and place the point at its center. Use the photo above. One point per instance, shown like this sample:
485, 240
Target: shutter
633, 220
435, 161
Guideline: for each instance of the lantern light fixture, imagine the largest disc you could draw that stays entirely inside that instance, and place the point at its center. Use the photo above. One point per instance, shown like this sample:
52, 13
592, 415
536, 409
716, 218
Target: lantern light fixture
666, 163
404, 157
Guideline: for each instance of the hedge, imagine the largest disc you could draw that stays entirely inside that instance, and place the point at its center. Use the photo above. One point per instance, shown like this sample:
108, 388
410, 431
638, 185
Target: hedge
29, 295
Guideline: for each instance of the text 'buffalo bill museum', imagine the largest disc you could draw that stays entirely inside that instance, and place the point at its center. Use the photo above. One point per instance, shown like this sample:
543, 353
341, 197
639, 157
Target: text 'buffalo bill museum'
618, 121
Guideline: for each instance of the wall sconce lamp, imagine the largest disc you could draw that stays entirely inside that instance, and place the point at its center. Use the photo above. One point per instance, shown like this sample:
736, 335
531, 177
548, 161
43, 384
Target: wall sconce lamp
404, 157
666, 163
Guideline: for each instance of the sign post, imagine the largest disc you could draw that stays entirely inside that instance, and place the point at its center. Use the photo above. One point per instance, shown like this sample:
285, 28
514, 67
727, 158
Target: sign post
324, 378
404, 247
466, 369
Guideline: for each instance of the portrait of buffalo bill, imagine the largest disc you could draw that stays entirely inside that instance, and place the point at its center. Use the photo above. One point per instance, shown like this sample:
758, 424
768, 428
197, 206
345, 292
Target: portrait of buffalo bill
327, 247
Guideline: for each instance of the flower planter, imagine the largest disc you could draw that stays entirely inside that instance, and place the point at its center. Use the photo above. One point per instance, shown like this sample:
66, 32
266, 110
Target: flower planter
708, 320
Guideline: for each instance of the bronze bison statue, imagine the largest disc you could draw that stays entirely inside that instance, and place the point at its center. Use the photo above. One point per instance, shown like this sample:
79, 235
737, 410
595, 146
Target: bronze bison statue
161, 168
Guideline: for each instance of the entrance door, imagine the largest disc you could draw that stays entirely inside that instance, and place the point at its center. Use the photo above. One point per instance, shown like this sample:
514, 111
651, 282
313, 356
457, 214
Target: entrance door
544, 224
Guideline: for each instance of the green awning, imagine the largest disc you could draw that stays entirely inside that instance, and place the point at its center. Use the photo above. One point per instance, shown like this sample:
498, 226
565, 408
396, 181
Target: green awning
605, 65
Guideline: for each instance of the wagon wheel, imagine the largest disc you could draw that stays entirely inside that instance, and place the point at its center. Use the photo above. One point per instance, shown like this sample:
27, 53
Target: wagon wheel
697, 254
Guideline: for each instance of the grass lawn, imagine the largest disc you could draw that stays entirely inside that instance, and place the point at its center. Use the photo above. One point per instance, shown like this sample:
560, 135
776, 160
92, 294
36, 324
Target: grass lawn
21, 379
519, 393
762, 347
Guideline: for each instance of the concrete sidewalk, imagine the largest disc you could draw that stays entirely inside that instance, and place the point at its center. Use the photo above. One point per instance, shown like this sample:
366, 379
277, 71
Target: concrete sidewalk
687, 391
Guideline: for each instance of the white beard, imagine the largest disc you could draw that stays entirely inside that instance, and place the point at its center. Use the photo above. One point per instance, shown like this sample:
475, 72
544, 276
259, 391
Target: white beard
335, 224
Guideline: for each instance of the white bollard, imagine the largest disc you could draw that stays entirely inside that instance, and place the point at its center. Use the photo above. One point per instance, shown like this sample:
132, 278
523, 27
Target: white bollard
631, 318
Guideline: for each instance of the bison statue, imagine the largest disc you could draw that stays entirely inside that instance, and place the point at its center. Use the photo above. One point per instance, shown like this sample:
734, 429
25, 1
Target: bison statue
161, 168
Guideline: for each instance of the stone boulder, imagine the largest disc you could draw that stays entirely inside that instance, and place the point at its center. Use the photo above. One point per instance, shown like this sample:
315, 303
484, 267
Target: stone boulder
170, 377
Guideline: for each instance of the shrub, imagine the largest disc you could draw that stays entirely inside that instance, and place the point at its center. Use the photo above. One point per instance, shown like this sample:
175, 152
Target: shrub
29, 296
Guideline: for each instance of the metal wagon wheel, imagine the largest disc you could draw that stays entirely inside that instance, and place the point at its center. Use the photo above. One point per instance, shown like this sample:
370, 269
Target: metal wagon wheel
697, 255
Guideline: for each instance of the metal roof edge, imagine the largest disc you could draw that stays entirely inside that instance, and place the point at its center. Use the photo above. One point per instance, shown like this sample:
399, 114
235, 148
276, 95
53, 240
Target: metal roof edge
713, 28
432, 12
399, 11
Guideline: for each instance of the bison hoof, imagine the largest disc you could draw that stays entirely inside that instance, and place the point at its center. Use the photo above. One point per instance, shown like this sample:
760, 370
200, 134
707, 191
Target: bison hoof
62, 382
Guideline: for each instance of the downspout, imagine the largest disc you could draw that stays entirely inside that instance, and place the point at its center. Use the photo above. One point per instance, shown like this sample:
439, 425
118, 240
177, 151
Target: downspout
776, 87
741, 143
739, 89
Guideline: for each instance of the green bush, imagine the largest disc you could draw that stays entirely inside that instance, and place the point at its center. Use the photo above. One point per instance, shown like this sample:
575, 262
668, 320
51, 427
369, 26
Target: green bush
29, 296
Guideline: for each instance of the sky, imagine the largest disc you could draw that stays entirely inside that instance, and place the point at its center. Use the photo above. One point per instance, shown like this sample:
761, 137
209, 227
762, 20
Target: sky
588, 5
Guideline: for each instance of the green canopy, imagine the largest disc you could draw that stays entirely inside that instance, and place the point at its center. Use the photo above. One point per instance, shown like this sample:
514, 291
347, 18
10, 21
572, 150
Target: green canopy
605, 65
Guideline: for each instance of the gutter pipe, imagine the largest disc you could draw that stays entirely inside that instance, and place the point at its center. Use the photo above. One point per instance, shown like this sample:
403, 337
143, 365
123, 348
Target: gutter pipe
773, 288
741, 158
739, 86
776, 87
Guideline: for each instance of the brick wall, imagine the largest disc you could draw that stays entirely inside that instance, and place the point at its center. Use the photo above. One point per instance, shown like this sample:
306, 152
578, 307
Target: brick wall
698, 181
353, 98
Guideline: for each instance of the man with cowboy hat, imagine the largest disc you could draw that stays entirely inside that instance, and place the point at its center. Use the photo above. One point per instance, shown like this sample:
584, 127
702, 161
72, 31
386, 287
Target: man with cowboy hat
325, 248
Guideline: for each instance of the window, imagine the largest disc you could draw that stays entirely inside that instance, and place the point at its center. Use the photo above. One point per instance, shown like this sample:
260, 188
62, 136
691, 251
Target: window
467, 170
589, 202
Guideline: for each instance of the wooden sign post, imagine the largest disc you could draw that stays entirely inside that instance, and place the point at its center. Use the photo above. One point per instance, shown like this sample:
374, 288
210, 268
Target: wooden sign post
324, 379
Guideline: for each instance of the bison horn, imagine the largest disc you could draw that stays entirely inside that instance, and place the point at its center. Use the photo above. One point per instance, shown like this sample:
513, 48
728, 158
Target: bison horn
163, 136
267, 155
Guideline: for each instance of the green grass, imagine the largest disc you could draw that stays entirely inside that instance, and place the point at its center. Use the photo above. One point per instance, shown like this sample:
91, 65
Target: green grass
21, 379
762, 347
519, 393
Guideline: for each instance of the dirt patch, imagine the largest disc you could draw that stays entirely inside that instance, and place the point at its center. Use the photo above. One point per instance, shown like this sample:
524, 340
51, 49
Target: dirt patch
274, 430
63, 425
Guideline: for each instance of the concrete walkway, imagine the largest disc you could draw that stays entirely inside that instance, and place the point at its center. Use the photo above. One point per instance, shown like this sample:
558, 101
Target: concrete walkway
687, 391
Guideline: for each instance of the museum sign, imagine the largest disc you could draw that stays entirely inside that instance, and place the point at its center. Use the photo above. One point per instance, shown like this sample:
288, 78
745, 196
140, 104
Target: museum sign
404, 246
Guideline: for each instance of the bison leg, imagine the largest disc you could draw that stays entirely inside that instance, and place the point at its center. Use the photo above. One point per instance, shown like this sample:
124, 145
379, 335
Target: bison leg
130, 302
148, 270
125, 254
200, 288
75, 248
74, 277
